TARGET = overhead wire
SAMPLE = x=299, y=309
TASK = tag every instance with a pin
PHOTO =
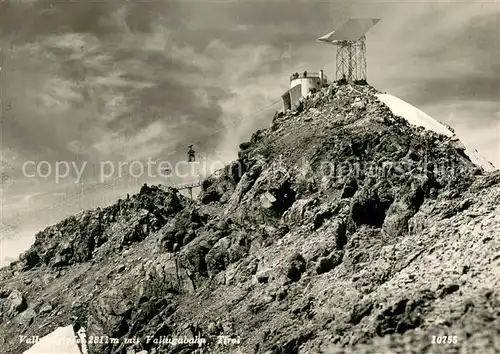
x=112, y=182
x=104, y=186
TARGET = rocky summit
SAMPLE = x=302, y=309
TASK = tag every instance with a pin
x=339, y=229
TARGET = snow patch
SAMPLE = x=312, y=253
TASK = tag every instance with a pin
x=60, y=341
x=413, y=115
x=419, y=118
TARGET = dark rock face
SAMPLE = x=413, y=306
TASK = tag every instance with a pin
x=370, y=209
x=350, y=188
x=340, y=229
x=326, y=264
x=296, y=266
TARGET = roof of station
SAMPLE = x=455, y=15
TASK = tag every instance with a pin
x=351, y=30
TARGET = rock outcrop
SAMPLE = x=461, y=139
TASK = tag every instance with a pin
x=340, y=229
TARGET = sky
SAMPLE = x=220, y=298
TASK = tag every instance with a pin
x=97, y=83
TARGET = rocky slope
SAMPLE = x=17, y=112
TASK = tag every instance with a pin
x=340, y=229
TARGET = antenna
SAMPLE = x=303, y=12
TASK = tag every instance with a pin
x=351, y=48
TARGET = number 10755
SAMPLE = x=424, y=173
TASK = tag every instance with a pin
x=444, y=339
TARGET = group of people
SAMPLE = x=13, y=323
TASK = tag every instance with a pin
x=296, y=75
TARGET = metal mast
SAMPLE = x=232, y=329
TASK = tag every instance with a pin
x=189, y=186
x=351, y=48
x=191, y=158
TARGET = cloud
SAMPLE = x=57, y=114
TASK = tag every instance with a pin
x=153, y=134
x=441, y=90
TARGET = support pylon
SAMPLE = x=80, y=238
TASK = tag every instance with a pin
x=351, y=48
x=351, y=60
x=191, y=158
